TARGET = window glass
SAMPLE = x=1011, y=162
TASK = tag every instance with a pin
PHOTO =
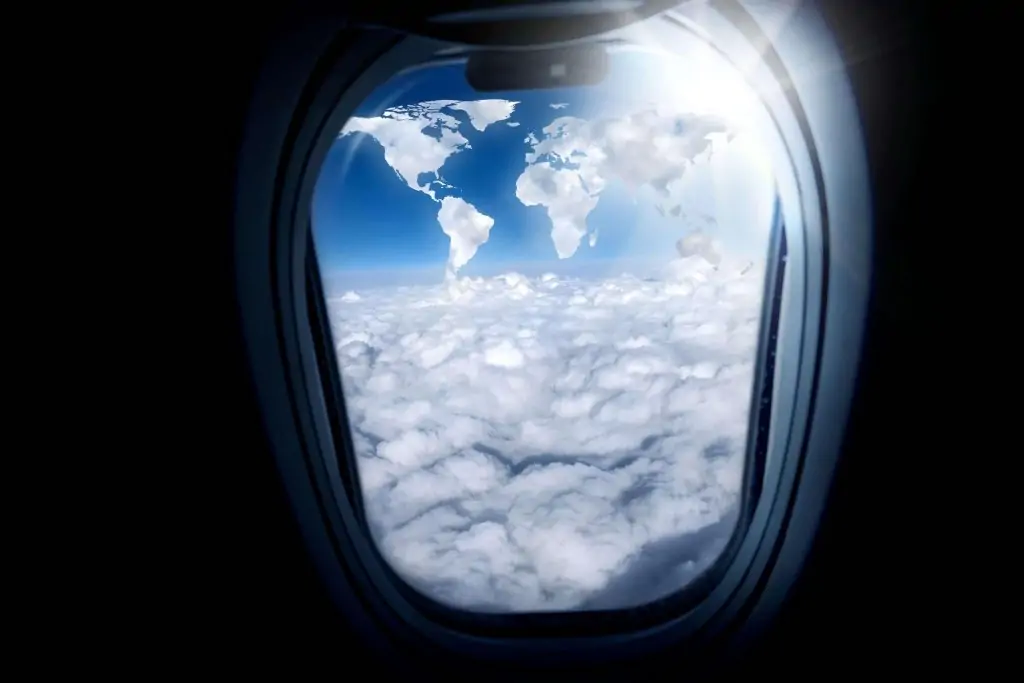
x=545, y=308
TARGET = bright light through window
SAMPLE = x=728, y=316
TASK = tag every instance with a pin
x=545, y=306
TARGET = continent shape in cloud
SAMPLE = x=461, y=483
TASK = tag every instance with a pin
x=551, y=443
x=411, y=151
x=574, y=160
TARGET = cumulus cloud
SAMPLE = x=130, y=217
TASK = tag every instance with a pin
x=466, y=228
x=551, y=443
x=574, y=160
x=513, y=124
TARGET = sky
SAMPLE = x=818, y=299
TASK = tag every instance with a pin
x=370, y=218
x=545, y=310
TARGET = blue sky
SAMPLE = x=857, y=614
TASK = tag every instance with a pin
x=367, y=220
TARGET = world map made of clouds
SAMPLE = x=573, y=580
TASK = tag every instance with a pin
x=566, y=169
x=551, y=443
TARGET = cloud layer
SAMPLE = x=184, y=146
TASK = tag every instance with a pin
x=551, y=444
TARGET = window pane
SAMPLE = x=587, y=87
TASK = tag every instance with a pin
x=545, y=306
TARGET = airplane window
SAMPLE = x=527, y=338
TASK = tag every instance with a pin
x=545, y=307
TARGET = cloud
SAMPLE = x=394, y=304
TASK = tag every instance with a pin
x=466, y=228
x=549, y=444
x=574, y=160
x=560, y=105
x=513, y=124
x=419, y=138
x=483, y=113
x=566, y=197
x=567, y=168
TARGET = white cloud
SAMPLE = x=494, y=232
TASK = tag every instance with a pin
x=560, y=105
x=410, y=150
x=466, y=228
x=572, y=163
x=513, y=124
x=543, y=444
x=483, y=113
